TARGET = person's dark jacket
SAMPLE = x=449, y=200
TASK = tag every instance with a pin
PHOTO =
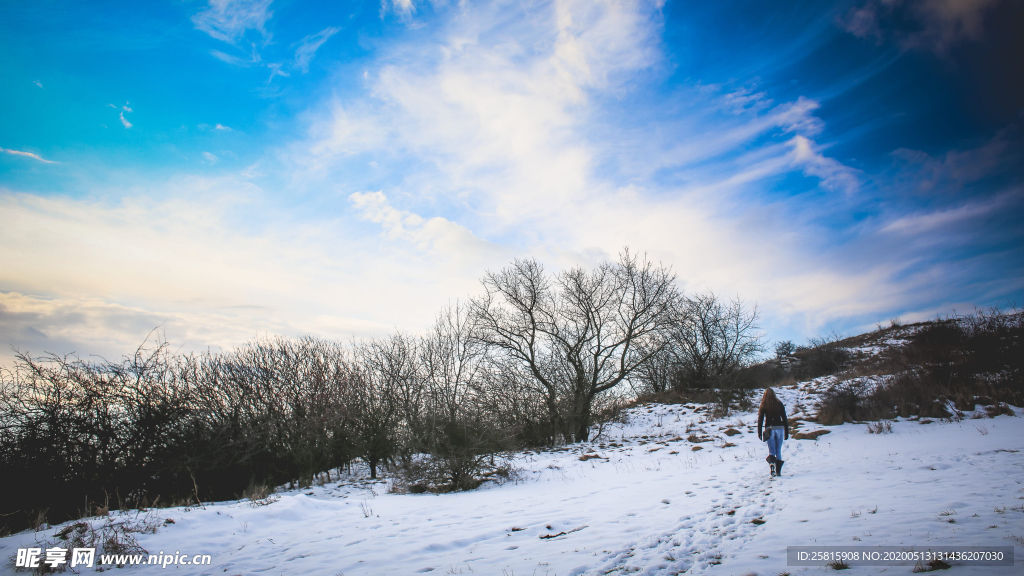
x=769, y=420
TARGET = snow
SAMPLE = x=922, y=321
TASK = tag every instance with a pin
x=653, y=505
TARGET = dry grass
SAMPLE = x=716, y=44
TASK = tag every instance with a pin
x=931, y=566
x=38, y=521
x=256, y=491
x=809, y=435
x=113, y=534
x=881, y=427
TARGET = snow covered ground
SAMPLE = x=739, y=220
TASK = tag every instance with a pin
x=646, y=501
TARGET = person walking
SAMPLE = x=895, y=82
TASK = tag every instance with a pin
x=772, y=416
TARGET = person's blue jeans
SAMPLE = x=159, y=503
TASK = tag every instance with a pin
x=775, y=443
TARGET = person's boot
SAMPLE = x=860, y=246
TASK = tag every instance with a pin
x=771, y=463
x=778, y=467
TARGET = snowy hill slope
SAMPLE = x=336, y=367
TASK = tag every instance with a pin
x=642, y=499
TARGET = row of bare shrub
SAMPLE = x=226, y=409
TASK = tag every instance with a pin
x=536, y=360
x=156, y=428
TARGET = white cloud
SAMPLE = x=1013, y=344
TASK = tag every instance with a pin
x=37, y=83
x=186, y=264
x=210, y=158
x=216, y=127
x=429, y=235
x=308, y=46
x=489, y=111
x=125, y=121
x=31, y=155
x=833, y=174
x=228, y=20
x=401, y=7
x=507, y=121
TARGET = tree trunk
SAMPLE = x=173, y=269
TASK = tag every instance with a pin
x=582, y=435
x=583, y=430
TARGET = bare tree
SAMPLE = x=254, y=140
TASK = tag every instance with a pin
x=396, y=363
x=463, y=429
x=452, y=361
x=579, y=333
x=712, y=340
x=656, y=375
x=784, y=349
x=389, y=392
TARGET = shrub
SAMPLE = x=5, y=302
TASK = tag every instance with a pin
x=460, y=454
x=948, y=366
x=822, y=356
x=784, y=349
x=840, y=403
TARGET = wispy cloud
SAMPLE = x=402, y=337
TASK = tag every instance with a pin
x=276, y=69
x=950, y=172
x=216, y=127
x=834, y=175
x=401, y=7
x=210, y=158
x=308, y=46
x=935, y=25
x=236, y=60
x=37, y=83
x=950, y=219
x=228, y=20
x=31, y=155
x=123, y=110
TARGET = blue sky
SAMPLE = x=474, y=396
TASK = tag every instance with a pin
x=233, y=169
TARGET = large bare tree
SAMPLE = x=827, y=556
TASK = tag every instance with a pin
x=713, y=340
x=578, y=333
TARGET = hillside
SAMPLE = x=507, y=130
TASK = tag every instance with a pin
x=643, y=499
x=666, y=489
